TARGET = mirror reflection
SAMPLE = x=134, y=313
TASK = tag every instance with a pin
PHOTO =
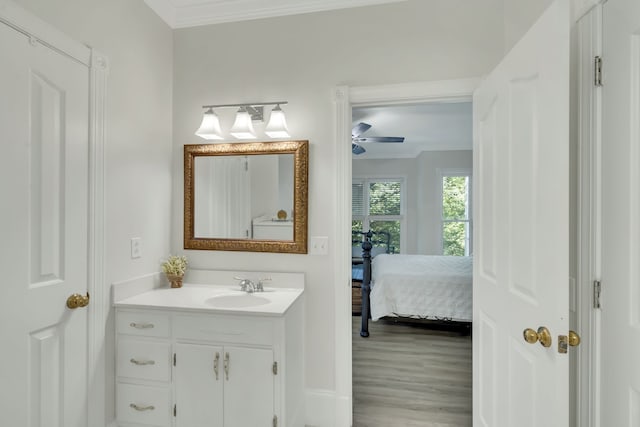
x=246, y=196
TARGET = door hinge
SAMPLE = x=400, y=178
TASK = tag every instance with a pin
x=597, y=71
x=175, y=410
x=275, y=421
x=597, y=288
x=275, y=368
x=174, y=359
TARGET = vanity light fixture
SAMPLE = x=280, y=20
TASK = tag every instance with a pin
x=210, y=126
x=243, y=125
x=277, y=126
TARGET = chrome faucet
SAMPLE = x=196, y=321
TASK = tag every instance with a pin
x=247, y=285
x=259, y=287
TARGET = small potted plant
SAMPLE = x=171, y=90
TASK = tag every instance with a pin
x=174, y=267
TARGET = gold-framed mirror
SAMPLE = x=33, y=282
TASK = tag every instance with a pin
x=246, y=196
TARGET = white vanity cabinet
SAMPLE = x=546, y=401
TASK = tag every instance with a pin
x=237, y=381
x=203, y=368
x=143, y=369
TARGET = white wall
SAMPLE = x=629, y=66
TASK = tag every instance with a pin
x=519, y=16
x=138, y=137
x=301, y=59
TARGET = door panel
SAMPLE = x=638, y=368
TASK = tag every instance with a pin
x=199, y=376
x=620, y=315
x=44, y=224
x=249, y=390
x=521, y=270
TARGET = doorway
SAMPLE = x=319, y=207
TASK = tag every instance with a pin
x=411, y=186
x=347, y=98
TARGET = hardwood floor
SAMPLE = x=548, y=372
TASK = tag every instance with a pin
x=410, y=376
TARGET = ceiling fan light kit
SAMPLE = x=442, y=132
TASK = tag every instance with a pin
x=243, y=125
x=356, y=139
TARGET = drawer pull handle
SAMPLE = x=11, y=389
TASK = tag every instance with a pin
x=142, y=362
x=226, y=365
x=141, y=325
x=142, y=408
x=216, y=362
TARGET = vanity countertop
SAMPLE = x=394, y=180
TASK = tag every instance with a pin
x=215, y=299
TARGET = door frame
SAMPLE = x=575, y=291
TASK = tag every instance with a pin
x=587, y=103
x=345, y=97
x=98, y=67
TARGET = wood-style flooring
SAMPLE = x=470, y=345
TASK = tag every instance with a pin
x=410, y=376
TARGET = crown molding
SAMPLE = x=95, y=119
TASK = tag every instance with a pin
x=192, y=13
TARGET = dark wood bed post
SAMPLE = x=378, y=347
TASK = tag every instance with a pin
x=366, y=284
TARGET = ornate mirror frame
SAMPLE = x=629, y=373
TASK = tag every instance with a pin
x=300, y=151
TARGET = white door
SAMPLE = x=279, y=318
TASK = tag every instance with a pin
x=521, y=259
x=43, y=228
x=620, y=316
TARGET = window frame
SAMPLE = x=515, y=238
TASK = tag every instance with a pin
x=367, y=219
x=455, y=172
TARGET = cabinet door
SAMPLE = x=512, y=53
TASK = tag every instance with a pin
x=199, y=373
x=248, y=389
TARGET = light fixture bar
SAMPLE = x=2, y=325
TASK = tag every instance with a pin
x=249, y=104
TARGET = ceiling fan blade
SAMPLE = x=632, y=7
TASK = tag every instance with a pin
x=356, y=149
x=380, y=139
x=359, y=129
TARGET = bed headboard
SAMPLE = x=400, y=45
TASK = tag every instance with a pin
x=380, y=243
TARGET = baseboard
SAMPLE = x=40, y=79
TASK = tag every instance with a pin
x=326, y=409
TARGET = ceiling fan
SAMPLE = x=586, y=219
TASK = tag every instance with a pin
x=356, y=139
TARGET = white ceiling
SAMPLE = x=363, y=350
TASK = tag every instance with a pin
x=426, y=127
x=192, y=13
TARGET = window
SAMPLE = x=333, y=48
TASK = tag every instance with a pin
x=377, y=205
x=456, y=213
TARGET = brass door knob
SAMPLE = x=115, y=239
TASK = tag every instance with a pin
x=543, y=335
x=76, y=300
x=574, y=339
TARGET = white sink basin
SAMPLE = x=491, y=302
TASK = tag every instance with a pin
x=237, y=301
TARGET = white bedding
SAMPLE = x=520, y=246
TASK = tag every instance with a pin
x=422, y=286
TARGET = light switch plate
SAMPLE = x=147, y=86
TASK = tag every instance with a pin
x=319, y=245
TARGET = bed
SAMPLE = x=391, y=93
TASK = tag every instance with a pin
x=435, y=288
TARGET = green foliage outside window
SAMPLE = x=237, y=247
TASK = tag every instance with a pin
x=384, y=198
x=455, y=215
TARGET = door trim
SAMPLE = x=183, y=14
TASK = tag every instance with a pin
x=345, y=98
x=99, y=310
x=97, y=66
x=588, y=104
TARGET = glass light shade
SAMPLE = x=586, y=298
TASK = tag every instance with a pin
x=277, y=126
x=243, y=127
x=210, y=126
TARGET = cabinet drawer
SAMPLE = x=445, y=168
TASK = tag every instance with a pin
x=143, y=405
x=144, y=360
x=224, y=329
x=142, y=323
